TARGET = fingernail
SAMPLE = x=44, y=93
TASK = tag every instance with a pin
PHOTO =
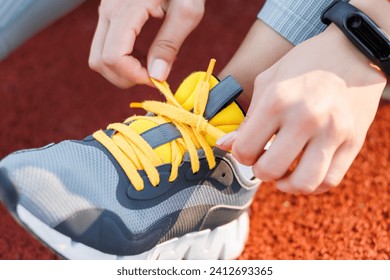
x=159, y=69
x=225, y=138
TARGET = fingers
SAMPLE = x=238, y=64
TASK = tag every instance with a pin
x=119, y=43
x=227, y=140
x=287, y=145
x=326, y=155
x=98, y=41
x=312, y=166
x=341, y=162
x=96, y=53
x=181, y=18
x=113, y=43
x=319, y=113
x=119, y=24
x=254, y=135
x=301, y=130
x=258, y=123
x=339, y=166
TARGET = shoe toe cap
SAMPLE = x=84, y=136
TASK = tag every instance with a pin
x=56, y=181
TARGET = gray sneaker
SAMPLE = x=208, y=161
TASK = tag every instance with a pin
x=153, y=187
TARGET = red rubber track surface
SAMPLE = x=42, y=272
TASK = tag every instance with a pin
x=48, y=94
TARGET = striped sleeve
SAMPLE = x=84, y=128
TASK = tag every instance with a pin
x=295, y=20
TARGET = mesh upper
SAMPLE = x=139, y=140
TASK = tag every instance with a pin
x=56, y=182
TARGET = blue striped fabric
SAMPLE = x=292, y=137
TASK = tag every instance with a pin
x=21, y=19
x=10, y=10
x=295, y=20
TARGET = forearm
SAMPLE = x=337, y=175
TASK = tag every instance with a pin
x=261, y=48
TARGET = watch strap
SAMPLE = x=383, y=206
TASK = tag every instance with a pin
x=337, y=15
x=338, y=12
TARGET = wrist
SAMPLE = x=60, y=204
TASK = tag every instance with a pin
x=361, y=29
x=351, y=60
x=377, y=10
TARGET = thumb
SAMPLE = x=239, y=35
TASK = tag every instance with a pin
x=262, y=80
x=182, y=17
x=226, y=142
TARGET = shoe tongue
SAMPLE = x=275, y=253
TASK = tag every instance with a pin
x=220, y=111
x=185, y=94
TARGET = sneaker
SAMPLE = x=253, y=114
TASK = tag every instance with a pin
x=152, y=187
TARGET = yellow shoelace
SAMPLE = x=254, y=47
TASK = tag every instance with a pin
x=133, y=153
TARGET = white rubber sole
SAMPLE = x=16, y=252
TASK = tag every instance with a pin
x=224, y=242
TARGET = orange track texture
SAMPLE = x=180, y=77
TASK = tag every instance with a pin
x=48, y=94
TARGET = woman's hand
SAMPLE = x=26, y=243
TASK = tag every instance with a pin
x=319, y=101
x=120, y=22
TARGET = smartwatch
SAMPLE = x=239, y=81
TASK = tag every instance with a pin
x=361, y=30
